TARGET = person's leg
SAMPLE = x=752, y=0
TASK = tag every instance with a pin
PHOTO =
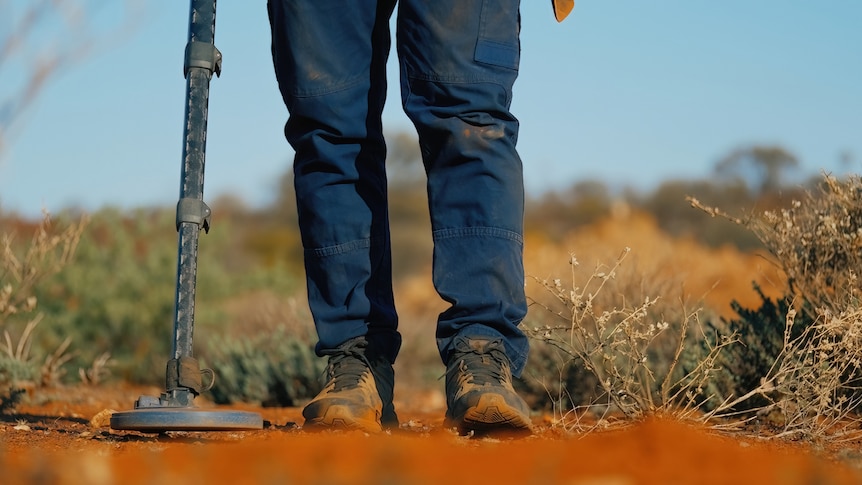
x=459, y=61
x=329, y=58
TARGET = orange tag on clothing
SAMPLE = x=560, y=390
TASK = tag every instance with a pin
x=562, y=8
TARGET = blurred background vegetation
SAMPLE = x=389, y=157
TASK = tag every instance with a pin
x=115, y=295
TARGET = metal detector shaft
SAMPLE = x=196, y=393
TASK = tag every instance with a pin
x=202, y=59
x=173, y=410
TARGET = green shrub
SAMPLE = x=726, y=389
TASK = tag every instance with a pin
x=118, y=295
x=14, y=372
x=270, y=368
x=759, y=341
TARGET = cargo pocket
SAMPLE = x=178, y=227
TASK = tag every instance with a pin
x=498, y=43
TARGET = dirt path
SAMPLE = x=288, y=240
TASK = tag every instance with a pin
x=55, y=442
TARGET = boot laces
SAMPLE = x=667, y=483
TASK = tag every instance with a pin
x=347, y=368
x=482, y=368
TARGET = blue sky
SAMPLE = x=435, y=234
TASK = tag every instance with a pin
x=627, y=92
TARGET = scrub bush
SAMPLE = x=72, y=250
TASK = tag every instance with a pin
x=618, y=352
x=272, y=369
x=118, y=294
x=794, y=363
x=23, y=266
x=805, y=351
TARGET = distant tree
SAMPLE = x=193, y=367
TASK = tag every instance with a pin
x=762, y=168
x=557, y=213
x=676, y=216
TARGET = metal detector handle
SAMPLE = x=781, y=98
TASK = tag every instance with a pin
x=202, y=59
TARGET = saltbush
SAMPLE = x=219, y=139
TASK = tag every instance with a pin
x=118, y=294
x=272, y=369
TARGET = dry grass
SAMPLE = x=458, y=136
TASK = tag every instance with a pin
x=818, y=242
x=630, y=346
x=21, y=268
x=814, y=387
x=815, y=382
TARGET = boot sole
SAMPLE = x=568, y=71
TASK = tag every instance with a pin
x=492, y=415
x=342, y=417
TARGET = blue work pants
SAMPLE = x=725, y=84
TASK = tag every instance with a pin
x=458, y=62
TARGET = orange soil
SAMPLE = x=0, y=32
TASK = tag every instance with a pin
x=61, y=446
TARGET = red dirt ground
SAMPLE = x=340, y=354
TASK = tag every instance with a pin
x=63, y=439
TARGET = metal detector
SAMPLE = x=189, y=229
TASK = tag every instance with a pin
x=174, y=410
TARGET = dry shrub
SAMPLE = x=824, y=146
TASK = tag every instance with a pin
x=22, y=267
x=812, y=389
x=629, y=347
x=818, y=242
x=664, y=280
x=817, y=379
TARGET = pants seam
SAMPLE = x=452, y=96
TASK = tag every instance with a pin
x=346, y=247
x=481, y=231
